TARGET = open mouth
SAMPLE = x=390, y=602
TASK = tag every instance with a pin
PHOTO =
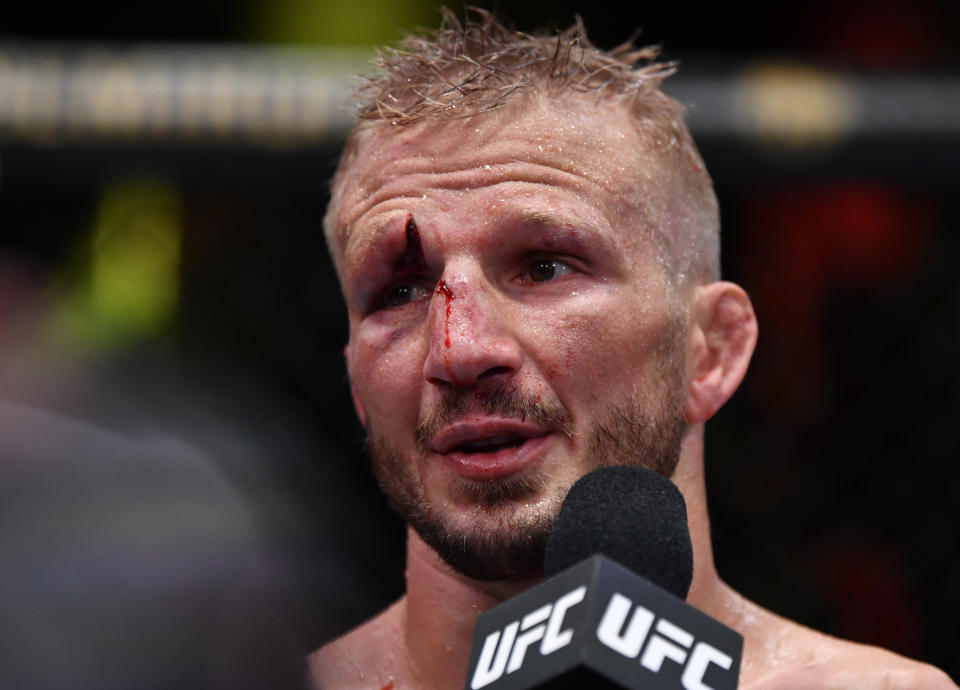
x=490, y=445
x=493, y=452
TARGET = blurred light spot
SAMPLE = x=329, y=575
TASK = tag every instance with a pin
x=339, y=22
x=275, y=96
x=795, y=106
x=128, y=279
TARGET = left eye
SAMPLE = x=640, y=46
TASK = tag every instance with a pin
x=547, y=269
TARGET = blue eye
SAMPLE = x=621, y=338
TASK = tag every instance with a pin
x=542, y=270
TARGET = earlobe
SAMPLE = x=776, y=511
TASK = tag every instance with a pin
x=723, y=335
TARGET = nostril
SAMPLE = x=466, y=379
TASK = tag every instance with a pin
x=494, y=371
x=440, y=382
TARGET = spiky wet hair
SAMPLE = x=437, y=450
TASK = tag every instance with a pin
x=471, y=67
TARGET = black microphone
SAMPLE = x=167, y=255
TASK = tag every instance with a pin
x=611, y=611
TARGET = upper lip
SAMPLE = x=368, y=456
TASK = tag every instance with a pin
x=459, y=433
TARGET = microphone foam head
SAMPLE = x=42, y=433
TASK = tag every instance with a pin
x=633, y=515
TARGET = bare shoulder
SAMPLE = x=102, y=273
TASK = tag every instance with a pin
x=362, y=658
x=856, y=667
x=780, y=654
x=852, y=665
x=807, y=659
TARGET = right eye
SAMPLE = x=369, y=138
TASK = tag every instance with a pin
x=399, y=295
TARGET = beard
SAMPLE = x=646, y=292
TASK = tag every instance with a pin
x=508, y=540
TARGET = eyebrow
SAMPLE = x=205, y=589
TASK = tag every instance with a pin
x=582, y=227
x=360, y=247
x=543, y=218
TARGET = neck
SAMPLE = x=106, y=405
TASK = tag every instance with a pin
x=441, y=605
x=707, y=591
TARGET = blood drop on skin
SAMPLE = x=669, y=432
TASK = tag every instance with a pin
x=442, y=289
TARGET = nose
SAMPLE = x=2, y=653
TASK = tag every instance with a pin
x=469, y=338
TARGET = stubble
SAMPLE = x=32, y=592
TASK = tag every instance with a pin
x=507, y=542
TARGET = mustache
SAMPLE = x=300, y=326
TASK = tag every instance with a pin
x=492, y=398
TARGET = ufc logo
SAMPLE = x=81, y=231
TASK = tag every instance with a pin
x=505, y=653
x=666, y=641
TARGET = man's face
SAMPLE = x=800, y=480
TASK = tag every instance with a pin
x=511, y=323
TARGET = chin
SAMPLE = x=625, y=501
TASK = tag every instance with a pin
x=499, y=534
x=502, y=545
x=490, y=529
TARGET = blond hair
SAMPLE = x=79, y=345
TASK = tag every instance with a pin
x=464, y=69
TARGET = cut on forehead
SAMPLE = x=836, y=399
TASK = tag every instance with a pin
x=473, y=71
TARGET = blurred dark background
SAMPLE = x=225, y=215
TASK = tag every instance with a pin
x=163, y=175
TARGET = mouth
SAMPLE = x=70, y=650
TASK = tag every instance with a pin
x=492, y=444
x=491, y=449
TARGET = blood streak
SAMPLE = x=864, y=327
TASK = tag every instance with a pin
x=412, y=259
x=442, y=289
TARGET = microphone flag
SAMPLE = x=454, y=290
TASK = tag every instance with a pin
x=600, y=625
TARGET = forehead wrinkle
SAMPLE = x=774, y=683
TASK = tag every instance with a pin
x=431, y=150
x=487, y=172
x=426, y=158
x=554, y=216
x=347, y=229
x=414, y=186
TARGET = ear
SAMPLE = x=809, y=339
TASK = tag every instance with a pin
x=357, y=404
x=723, y=334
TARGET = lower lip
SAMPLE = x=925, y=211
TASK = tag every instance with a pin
x=500, y=464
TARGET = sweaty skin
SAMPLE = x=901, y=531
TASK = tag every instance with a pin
x=579, y=187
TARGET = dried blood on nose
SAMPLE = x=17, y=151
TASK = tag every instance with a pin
x=442, y=289
x=412, y=259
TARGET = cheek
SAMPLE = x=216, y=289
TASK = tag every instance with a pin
x=600, y=348
x=386, y=373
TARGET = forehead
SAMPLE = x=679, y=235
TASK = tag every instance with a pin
x=594, y=143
